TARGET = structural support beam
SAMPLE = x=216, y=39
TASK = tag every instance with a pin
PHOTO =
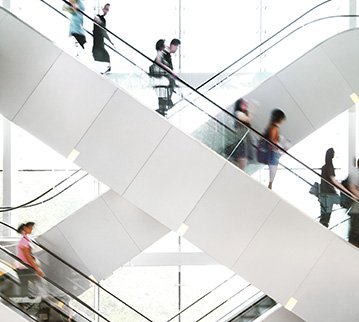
x=352, y=114
x=7, y=169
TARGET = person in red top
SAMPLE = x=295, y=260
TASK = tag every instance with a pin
x=24, y=252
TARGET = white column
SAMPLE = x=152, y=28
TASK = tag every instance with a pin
x=352, y=114
x=7, y=169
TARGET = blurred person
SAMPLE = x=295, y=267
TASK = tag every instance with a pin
x=273, y=135
x=164, y=59
x=77, y=21
x=24, y=253
x=99, y=52
x=244, y=150
x=354, y=210
x=328, y=195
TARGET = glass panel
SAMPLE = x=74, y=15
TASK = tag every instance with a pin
x=76, y=283
x=277, y=50
x=38, y=296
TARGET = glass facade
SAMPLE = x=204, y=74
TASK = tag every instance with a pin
x=213, y=35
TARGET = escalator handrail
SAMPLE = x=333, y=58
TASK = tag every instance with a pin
x=55, y=284
x=79, y=272
x=277, y=42
x=262, y=43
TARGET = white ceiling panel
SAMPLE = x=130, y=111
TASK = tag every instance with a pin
x=174, y=179
x=229, y=215
x=26, y=57
x=317, y=87
x=120, y=141
x=285, y=248
x=142, y=228
x=337, y=269
x=65, y=104
x=343, y=51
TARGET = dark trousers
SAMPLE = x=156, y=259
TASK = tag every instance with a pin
x=354, y=225
x=327, y=201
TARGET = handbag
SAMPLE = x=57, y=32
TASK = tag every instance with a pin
x=263, y=151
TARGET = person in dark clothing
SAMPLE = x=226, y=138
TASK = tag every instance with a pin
x=328, y=196
x=99, y=52
x=164, y=58
x=244, y=148
x=354, y=210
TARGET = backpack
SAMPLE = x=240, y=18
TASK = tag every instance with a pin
x=345, y=201
x=315, y=189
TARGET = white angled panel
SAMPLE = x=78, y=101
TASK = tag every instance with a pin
x=270, y=95
x=65, y=103
x=11, y=315
x=3, y=13
x=229, y=215
x=330, y=291
x=279, y=314
x=55, y=241
x=317, y=87
x=175, y=177
x=343, y=51
x=26, y=56
x=98, y=238
x=285, y=249
x=120, y=141
x=143, y=229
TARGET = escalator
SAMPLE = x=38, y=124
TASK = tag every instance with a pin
x=199, y=196
x=54, y=303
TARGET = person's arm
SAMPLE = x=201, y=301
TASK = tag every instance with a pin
x=243, y=117
x=31, y=261
x=354, y=190
x=337, y=184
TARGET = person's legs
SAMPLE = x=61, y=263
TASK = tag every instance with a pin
x=326, y=208
x=354, y=225
x=272, y=172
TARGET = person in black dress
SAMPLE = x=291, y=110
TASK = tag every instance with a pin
x=99, y=52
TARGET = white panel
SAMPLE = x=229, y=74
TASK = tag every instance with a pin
x=270, y=95
x=120, y=141
x=142, y=228
x=229, y=215
x=174, y=178
x=55, y=241
x=8, y=315
x=3, y=14
x=98, y=238
x=25, y=58
x=283, y=252
x=279, y=314
x=330, y=291
x=317, y=86
x=343, y=51
x=65, y=103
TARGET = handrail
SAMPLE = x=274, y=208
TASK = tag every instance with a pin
x=79, y=272
x=55, y=285
x=277, y=42
x=205, y=295
x=27, y=204
x=262, y=43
